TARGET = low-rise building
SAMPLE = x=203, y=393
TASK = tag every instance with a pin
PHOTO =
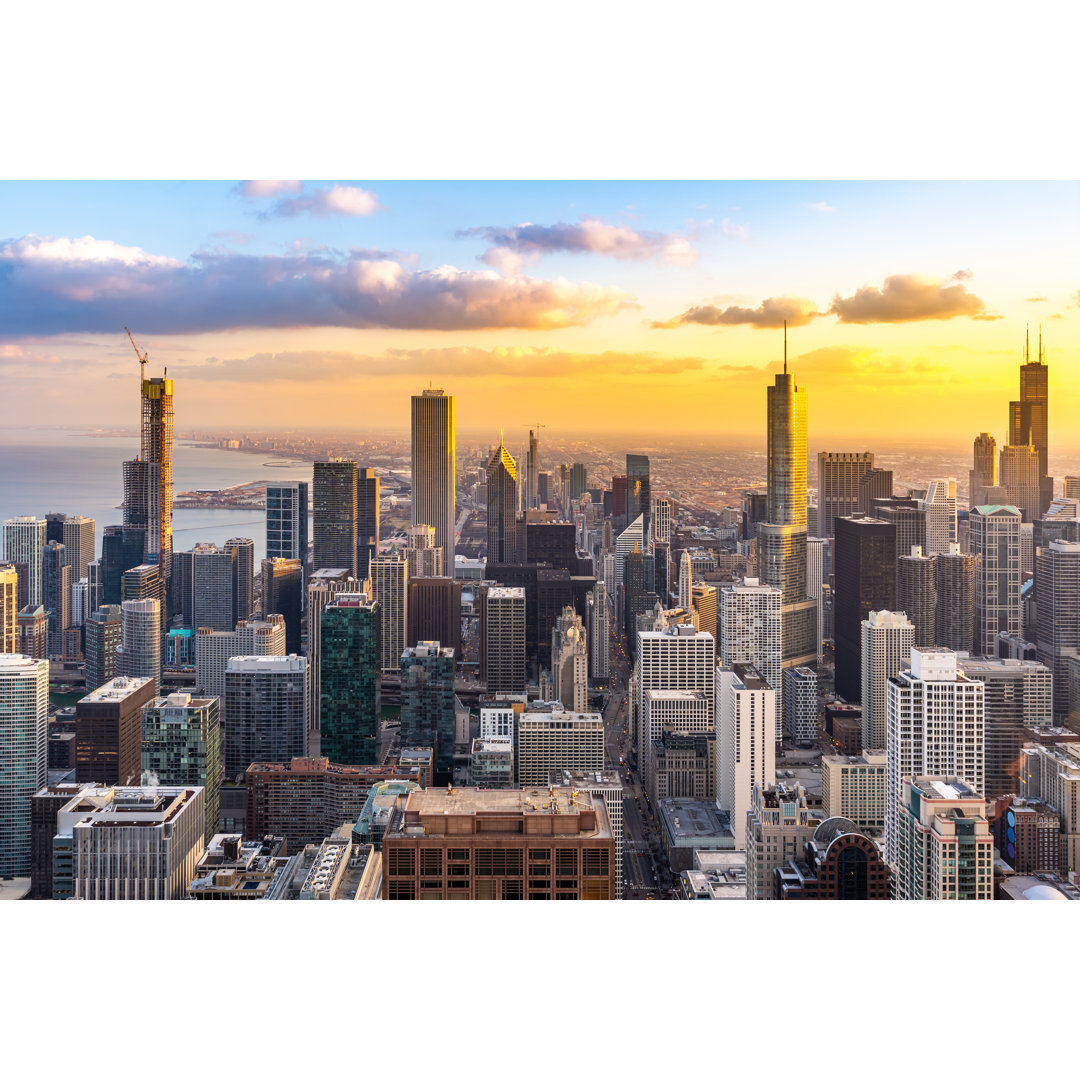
x=716, y=875
x=840, y=862
x=778, y=825
x=556, y=739
x=370, y=826
x=689, y=825
x=236, y=869
x=684, y=766
x=418, y=757
x=1038, y=887
x=491, y=764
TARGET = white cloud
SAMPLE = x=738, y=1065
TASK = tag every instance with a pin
x=324, y=202
x=266, y=189
x=820, y=207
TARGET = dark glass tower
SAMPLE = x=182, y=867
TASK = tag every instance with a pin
x=427, y=701
x=367, y=521
x=638, y=497
x=122, y=547
x=335, y=519
x=502, y=500
x=349, y=680
x=1028, y=418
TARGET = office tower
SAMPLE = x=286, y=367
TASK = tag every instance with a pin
x=599, y=633
x=683, y=766
x=841, y=862
x=335, y=522
x=777, y=826
x=685, y=712
x=578, y=481
x=46, y=802
x=350, y=686
x=633, y=599
x=55, y=593
x=109, y=730
x=78, y=540
x=706, y=615
x=1051, y=773
x=283, y=594
x=995, y=544
x=618, y=498
x=661, y=583
x=24, y=538
x=875, y=484
x=817, y=549
x=672, y=658
x=853, y=787
x=9, y=608
x=1057, y=601
x=139, y=655
x=545, y=494
x=504, y=841
x=839, y=478
x=944, y=847
x=491, y=763
x=181, y=746
x=24, y=715
x=529, y=497
x=80, y=612
x=916, y=595
x=434, y=612
x=1072, y=487
x=557, y=739
x=984, y=472
x=32, y=627
x=433, y=468
x=103, y=640
x=54, y=527
x=939, y=506
x=1018, y=694
x=934, y=726
x=800, y=694
x=95, y=595
x=638, y=491
x=204, y=587
x=754, y=509
x=1020, y=479
x=287, y=520
x=389, y=589
x=502, y=644
x=427, y=701
x=907, y=517
x=129, y=843
x=367, y=521
x=1028, y=422
x=121, y=549
x=954, y=588
x=660, y=517
x=864, y=560
x=424, y=559
x=631, y=538
x=266, y=710
x=251, y=637
x=887, y=638
x=322, y=586
x=786, y=462
x=750, y=633
x=243, y=549
x=570, y=661
x=686, y=582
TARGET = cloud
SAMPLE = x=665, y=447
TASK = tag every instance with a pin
x=516, y=245
x=736, y=232
x=325, y=202
x=771, y=313
x=60, y=286
x=266, y=189
x=233, y=237
x=1035, y=299
x=908, y=298
x=820, y=207
x=963, y=275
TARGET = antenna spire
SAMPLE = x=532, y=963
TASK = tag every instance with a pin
x=785, y=346
x=1027, y=339
x=1042, y=356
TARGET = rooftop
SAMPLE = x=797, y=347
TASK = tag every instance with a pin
x=117, y=689
x=694, y=820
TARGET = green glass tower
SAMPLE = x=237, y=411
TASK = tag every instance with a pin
x=351, y=707
x=427, y=700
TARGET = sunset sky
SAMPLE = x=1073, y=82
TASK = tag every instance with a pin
x=587, y=306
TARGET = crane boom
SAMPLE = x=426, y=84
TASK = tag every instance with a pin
x=141, y=355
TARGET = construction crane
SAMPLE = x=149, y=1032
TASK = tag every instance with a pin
x=141, y=355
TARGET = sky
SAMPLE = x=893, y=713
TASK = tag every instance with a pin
x=653, y=307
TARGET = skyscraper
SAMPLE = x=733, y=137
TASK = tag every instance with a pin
x=214, y=648
x=122, y=547
x=995, y=542
x=939, y=505
x=351, y=709
x=389, y=589
x=1020, y=479
x=24, y=537
x=24, y=716
x=367, y=520
x=139, y=655
x=243, y=550
x=887, y=638
x=502, y=640
x=686, y=582
x=213, y=579
x=502, y=500
x=578, y=480
x=287, y=520
x=9, y=608
x=916, y=595
x=875, y=484
x=109, y=731
x=335, y=521
x=638, y=491
x=266, y=710
x=1057, y=601
x=78, y=541
x=56, y=593
x=839, y=478
x=750, y=629
x=954, y=588
x=599, y=633
x=531, y=496
x=984, y=472
x=423, y=557
x=570, y=661
x=103, y=639
x=434, y=498
x=283, y=594
x=427, y=701
x=323, y=586
x=1029, y=421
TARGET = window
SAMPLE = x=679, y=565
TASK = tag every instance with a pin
x=431, y=862
x=401, y=862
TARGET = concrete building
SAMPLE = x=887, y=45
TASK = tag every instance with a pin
x=599, y=633
x=109, y=731
x=538, y=844
x=1057, y=601
x=606, y=785
x=24, y=537
x=389, y=589
x=688, y=826
x=335, y=517
x=423, y=557
x=102, y=638
x=995, y=543
x=24, y=713
x=839, y=476
x=214, y=649
x=801, y=705
x=498, y=718
x=683, y=766
x=32, y=626
x=350, y=686
x=1051, y=773
x=1019, y=470
x=550, y=739
x=684, y=712
x=570, y=661
x=266, y=710
x=840, y=862
x=954, y=593
x=945, y=850
x=939, y=506
x=139, y=655
x=434, y=494
x=427, y=701
x=9, y=608
x=717, y=875
x=44, y=806
x=853, y=787
x=887, y=640
x=916, y=595
x=502, y=640
x=234, y=869
x=434, y=612
x=745, y=742
x=935, y=726
x=778, y=826
x=287, y=520
x=750, y=633
x=128, y=843
x=322, y=586
x=491, y=762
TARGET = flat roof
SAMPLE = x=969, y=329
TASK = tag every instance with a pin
x=694, y=819
x=116, y=689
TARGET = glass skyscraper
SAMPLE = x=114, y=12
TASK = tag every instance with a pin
x=350, y=705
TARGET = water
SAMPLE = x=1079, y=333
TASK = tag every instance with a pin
x=45, y=470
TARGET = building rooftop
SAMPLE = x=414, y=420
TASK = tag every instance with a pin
x=123, y=686
x=504, y=592
x=582, y=778
x=691, y=821
x=1039, y=887
x=935, y=788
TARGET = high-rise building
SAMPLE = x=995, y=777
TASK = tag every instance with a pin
x=32, y=626
x=423, y=557
x=801, y=705
x=139, y=655
x=916, y=595
x=631, y=538
x=638, y=490
x=841, y=862
x=109, y=730
x=954, y=589
x=686, y=582
x=350, y=684
x=939, y=506
x=243, y=551
x=367, y=521
x=24, y=537
x=1057, y=602
x=181, y=746
x=1020, y=479
x=661, y=520
x=389, y=589
x=1028, y=423
x=24, y=716
x=944, y=847
x=78, y=541
x=853, y=787
x=322, y=586
x=570, y=661
x=599, y=633
x=434, y=611
x=887, y=638
x=335, y=521
x=266, y=710
x=122, y=547
x=750, y=633
x=211, y=574
x=427, y=701
x=283, y=594
x=434, y=499
x=103, y=639
x=502, y=640
x=530, y=497
x=578, y=480
x=839, y=477
x=1072, y=487
x=984, y=472
x=875, y=484
x=1052, y=773
x=778, y=826
x=934, y=726
x=56, y=593
x=907, y=517
x=865, y=575
x=214, y=648
x=9, y=608
x=995, y=543
x=549, y=739
x=287, y=520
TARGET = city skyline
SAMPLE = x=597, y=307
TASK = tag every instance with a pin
x=263, y=295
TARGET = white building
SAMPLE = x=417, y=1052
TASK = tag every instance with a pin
x=558, y=739
x=1057, y=601
x=934, y=727
x=686, y=582
x=139, y=655
x=688, y=712
x=995, y=540
x=570, y=661
x=630, y=539
x=24, y=537
x=816, y=547
x=497, y=720
x=1052, y=773
x=939, y=506
x=745, y=742
x=853, y=787
x=801, y=705
x=661, y=521
x=887, y=640
x=390, y=588
x=750, y=633
x=214, y=649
